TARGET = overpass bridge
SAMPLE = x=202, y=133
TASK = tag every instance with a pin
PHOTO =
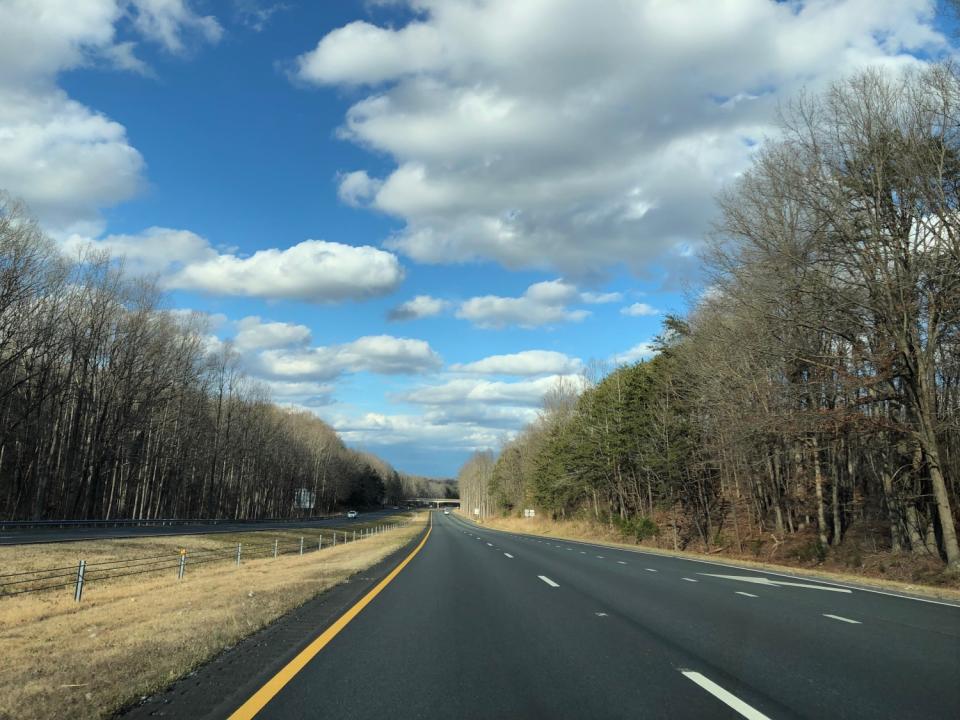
x=439, y=502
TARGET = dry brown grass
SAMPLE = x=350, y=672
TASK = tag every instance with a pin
x=132, y=636
x=948, y=588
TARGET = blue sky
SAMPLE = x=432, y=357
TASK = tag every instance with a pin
x=540, y=174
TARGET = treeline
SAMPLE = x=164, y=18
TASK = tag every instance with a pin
x=400, y=487
x=816, y=384
x=113, y=407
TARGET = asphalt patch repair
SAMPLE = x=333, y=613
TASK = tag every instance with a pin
x=220, y=686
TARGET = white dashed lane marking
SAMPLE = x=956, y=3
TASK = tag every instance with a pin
x=690, y=580
x=727, y=698
x=745, y=594
x=842, y=619
x=509, y=555
x=548, y=581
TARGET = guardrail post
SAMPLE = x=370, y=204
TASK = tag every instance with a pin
x=301, y=545
x=334, y=538
x=239, y=545
x=78, y=592
x=354, y=534
x=275, y=548
x=320, y=544
x=183, y=563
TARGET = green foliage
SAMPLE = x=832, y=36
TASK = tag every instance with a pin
x=637, y=528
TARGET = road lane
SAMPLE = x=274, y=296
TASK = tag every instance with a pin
x=464, y=632
x=472, y=628
x=901, y=661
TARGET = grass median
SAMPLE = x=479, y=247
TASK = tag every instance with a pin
x=132, y=636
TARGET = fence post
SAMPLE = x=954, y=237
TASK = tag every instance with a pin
x=301, y=545
x=320, y=544
x=354, y=534
x=78, y=592
x=334, y=538
x=183, y=562
x=239, y=545
x=275, y=548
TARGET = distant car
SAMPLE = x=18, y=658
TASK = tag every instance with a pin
x=446, y=512
x=352, y=514
x=396, y=507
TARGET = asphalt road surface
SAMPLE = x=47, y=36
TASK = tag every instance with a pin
x=485, y=624
x=47, y=535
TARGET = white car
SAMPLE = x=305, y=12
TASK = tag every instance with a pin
x=446, y=512
x=352, y=514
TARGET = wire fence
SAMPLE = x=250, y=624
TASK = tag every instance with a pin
x=178, y=563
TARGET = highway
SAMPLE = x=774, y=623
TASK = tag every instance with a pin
x=73, y=534
x=483, y=624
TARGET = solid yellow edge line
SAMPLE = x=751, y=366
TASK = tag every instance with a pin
x=275, y=684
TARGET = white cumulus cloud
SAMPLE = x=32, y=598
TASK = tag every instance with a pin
x=574, y=136
x=66, y=160
x=382, y=354
x=543, y=303
x=523, y=393
x=527, y=362
x=155, y=250
x=639, y=310
x=357, y=188
x=640, y=351
x=313, y=271
x=255, y=334
x=419, y=307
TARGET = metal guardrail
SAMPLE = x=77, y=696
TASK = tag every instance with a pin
x=152, y=522
x=80, y=575
x=32, y=524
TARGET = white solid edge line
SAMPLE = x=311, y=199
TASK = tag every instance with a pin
x=548, y=581
x=766, y=572
x=727, y=698
x=509, y=555
x=842, y=619
x=745, y=594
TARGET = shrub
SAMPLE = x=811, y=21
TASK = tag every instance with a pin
x=638, y=528
x=813, y=550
